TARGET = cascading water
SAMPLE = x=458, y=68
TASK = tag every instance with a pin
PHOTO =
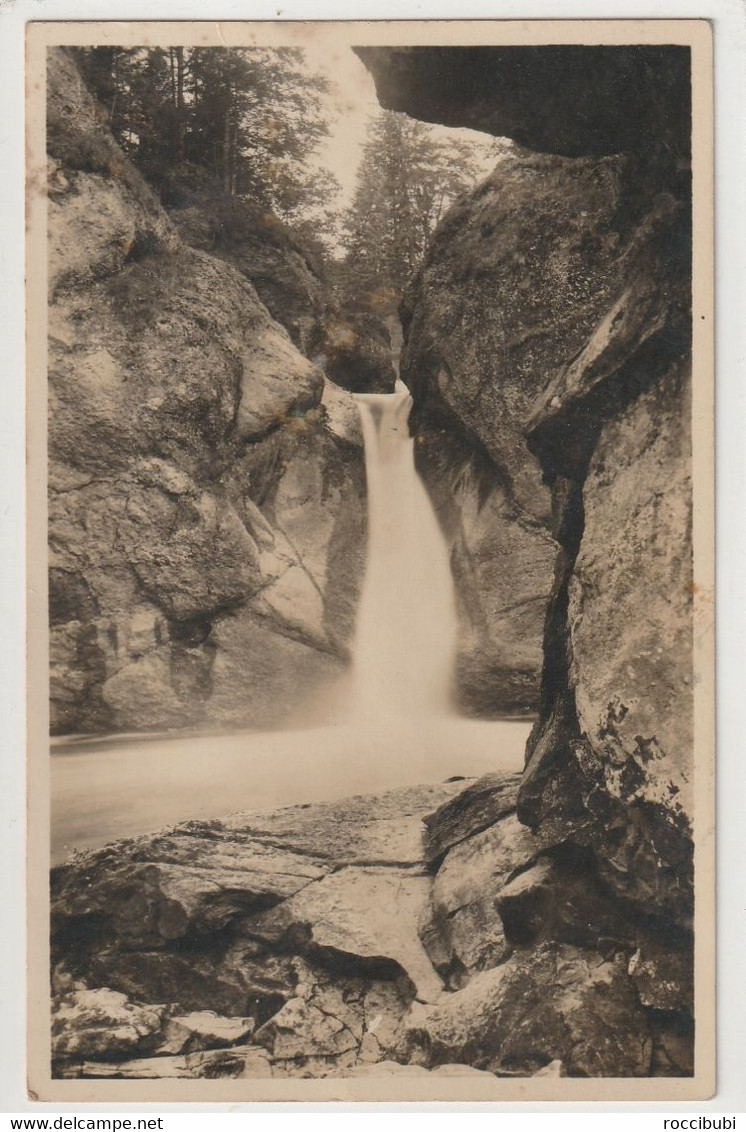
x=406, y=631
x=393, y=728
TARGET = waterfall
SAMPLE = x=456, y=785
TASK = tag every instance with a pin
x=395, y=729
x=406, y=631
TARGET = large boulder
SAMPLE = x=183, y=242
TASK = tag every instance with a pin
x=516, y=277
x=569, y=99
x=464, y=931
x=192, y=881
x=610, y=761
x=370, y=913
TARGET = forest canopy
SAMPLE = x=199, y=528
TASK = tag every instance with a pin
x=255, y=120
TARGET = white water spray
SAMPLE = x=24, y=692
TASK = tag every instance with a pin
x=406, y=631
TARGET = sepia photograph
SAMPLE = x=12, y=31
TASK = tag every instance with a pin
x=371, y=589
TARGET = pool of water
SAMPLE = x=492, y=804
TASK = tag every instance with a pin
x=106, y=788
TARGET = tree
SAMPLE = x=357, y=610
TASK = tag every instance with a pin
x=407, y=178
x=251, y=117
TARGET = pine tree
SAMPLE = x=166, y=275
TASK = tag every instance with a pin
x=406, y=180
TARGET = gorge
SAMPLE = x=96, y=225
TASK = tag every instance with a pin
x=506, y=922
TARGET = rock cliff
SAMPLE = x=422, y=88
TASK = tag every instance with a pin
x=206, y=487
x=553, y=314
x=515, y=279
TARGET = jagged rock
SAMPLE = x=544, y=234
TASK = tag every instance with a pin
x=99, y=1023
x=610, y=762
x=240, y=1061
x=555, y=1002
x=190, y=881
x=301, y=1029
x=522, y=903
x=562, y=900
x=366, y=913
x=463, y=929
x=332, y=973
x=200, y=1030
x=636, y=710
x=148, y=917
x=168, y=564
x=474, y=809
